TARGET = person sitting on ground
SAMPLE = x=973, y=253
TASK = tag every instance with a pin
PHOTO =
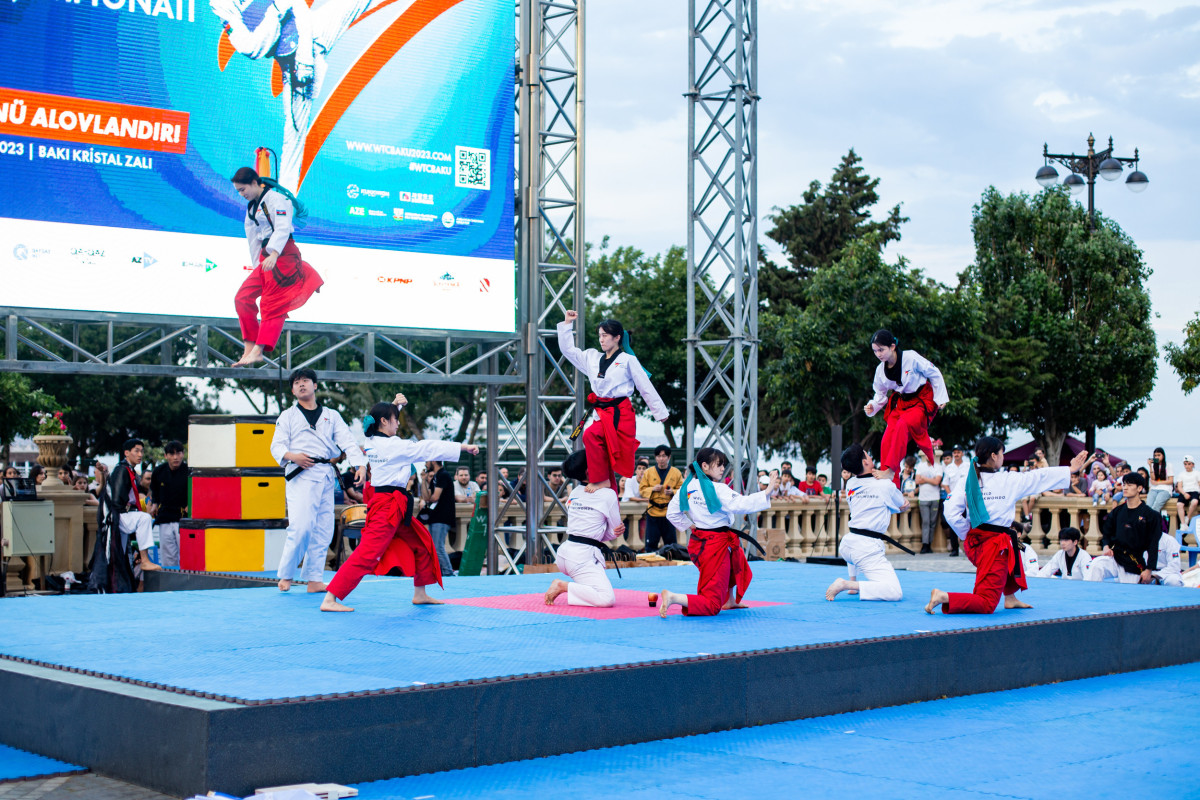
x=1169, y=571
x=1131, y=533
x=1072, y=559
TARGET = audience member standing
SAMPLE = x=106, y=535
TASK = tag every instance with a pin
x=929, y=497
x=437, y=490
x=633, y=486
x=659, y=484
x=169, y=499
x=465, y=489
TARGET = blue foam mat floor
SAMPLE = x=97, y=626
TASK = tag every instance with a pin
x=261, y=644
x=20, y=765
x=1117, y=736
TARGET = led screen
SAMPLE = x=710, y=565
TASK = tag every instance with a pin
x=391, y=121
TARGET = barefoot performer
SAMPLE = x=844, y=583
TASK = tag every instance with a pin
x=392, y=536
x=872, y=503
x=918, y=392
x=613, y=374
x=592, y=519
x=279, y=281
x=981, y=512
x=705, y=501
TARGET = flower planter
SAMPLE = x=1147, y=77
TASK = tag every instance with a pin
x=52, y=454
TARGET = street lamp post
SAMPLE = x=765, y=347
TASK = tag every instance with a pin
x=1104, y=164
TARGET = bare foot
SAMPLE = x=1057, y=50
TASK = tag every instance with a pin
x=667, y=599
x=253, y=356
x=284, y=585
x=936, y=598
x=733, y=604
x=836, y=588
x=592, y=487
x=422, y=598
x=330, y=603
x=557, y=587
x=316, y=586
x=245, y=352
x=149, y=566
x=1011, y=601
x=884, y=474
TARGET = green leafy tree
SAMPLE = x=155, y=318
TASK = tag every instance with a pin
x=825, y=370
x=1049, y=286
x=18, y=400
x=1186, y=359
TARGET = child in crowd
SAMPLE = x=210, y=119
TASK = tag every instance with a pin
x=1101, y=488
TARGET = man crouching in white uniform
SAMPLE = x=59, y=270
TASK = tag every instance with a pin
x=308, y=438
x=872, y=503
x=592, y=519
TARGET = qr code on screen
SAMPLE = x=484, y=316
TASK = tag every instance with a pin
x=473, y=168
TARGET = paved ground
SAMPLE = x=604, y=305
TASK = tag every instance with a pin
x=933, y=562
x=76, y=787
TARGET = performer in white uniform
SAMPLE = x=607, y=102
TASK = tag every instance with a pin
x=872, y=503
x=1072, y=560
x=1170, y=570
x=307, y=438
x=591, y=517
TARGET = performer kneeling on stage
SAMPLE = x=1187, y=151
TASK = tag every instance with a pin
x=981, y=512
x=1131, y=534
x=872, y=503
x=707, y=503
x=279, y=281
x=392, y=536
x=613, y=375
x=592, y=519
x=918, y=392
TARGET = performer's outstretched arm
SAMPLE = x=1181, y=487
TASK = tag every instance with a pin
x=566, y=342
x=736, y=503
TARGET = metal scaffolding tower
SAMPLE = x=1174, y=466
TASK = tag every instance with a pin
x=524, y=427
x=722, y=332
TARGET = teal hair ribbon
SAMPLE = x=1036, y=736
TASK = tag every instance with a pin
x=711, y=500
x=976, y=508
x=368, y=421
x=629, y=349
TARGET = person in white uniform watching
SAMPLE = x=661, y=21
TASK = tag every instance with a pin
x=1072, y=560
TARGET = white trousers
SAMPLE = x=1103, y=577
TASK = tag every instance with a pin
x=1106, y=568
x=867, y=564
x=168, y=543
x=584, y=565
x=310, y=523
x=1169, y=578
x=141, y=524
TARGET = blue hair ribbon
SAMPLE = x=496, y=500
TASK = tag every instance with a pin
x=976, y=508
x=368, y=421
x=711, y=501
x=629, y=349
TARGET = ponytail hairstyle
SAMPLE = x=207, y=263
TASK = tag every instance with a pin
x=884, y=338
x=707, y=455
x=614, y=329
x=378, y=412
x=1073, y=533
x=985, y=448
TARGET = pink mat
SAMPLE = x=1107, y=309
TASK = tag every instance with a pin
x=629, y=603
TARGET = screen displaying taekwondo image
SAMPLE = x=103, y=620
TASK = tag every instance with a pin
x=122, y=121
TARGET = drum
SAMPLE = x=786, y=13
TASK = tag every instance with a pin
x=354, y=516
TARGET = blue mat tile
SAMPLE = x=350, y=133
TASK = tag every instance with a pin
x=19, y=765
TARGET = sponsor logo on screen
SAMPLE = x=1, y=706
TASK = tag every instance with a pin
x=145, y=259
x=447, y=220
x=358, y=211
x=485, y=285
x=375, y=193
x=447, y=282
x=352, y=191
x=87, y=255
x=375, y=212
x=20, y=252
x=416, y=216
x=422, y=198
x=398, y=214
x=392, y=279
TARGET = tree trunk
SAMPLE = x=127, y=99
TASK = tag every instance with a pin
x=468, y=413
x=670, y=437
x=1052, y=440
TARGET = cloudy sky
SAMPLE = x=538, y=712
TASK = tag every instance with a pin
x=941, y=100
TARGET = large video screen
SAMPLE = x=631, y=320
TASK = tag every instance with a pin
x=391, y=122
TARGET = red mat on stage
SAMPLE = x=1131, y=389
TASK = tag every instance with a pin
x=629, y=603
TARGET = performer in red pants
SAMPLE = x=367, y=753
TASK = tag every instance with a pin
x=391, y=536
x=918, y=392
x=614, y=373
x=981, y=512
x=706, y=502
x=281, y=280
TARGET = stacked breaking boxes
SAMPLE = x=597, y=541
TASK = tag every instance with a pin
x=239, y=513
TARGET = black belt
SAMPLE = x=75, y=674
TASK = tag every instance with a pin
x=1129, y=560
x=883, y=537
x=609, y=402
x=601, y=546
x=408, y=512
x=315, y=460
x=740, y=535
x=1018, y=566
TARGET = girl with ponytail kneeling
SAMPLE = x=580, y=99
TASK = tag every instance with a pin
x=392, y=536
x=705, y=502
x=981, y=512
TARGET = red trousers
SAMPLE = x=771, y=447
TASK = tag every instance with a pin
x=610, y=442
x=907, y=420
x=994, y=560
x=723, y=565
x=263, y=291
x=387, y=542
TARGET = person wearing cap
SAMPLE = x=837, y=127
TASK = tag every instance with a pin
x=1187, y=483
x=917, y=392
x=1072, y=560
x=658, y=485
x=593, y=518
x=1131, y=534
x=864, y=549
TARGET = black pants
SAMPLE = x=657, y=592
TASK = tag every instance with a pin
x=656, y=528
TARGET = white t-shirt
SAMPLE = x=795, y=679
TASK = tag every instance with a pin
x=632, y=492
x=953, y=473
x=1188, y=481
x=929, y=492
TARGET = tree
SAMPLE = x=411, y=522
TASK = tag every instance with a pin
x=18, y=401
x=645, y=293
x=1049, y=286
x=824, y=373
x=1186, y=359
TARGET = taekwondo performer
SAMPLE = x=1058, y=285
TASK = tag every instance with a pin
x=392, y=536
x=707, y=505
x=1130, y=535
x=613, y=373
x=918, y=392
x=1072, y=560
x=981, y=512
x=592, y=519
x=279, y=281
x=309, y=439
x=1170, y=567
x=872, y=503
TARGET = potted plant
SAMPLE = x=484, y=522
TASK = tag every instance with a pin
x=52, y=443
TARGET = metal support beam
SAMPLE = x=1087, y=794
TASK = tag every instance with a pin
x=722, y=285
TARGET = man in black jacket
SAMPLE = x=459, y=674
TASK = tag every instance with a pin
x=1130, y=537
x=119, y=516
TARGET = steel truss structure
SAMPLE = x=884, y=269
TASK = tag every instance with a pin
x=722, y=285
x=524, y=427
